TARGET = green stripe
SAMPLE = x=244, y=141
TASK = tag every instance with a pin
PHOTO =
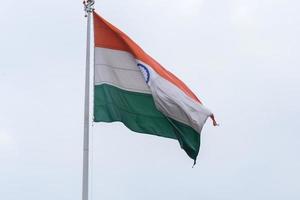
x=137, y=111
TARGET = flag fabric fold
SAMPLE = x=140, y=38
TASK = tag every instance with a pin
x=133, y=88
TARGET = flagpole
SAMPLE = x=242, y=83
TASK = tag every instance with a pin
x=88, y=7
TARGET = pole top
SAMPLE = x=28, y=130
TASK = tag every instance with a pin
x=88, y=6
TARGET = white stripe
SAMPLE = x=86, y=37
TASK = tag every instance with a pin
x=118, y=68
x=174, y=103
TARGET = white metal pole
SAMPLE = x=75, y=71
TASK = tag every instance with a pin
x=85, y=176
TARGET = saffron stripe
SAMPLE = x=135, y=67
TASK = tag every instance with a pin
x=108, y=36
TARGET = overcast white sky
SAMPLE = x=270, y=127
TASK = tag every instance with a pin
x=241, y=57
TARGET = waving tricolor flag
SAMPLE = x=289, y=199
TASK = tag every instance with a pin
x=131, y=87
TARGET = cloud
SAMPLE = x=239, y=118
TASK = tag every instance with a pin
x=243, y=14
x=185, y=8
x=8, y=145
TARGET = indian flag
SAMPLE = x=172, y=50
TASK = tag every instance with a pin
x=132, y=88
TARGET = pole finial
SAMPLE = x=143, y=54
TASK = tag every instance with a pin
x=88, y=6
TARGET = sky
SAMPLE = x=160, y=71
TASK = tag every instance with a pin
x=241, y=57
